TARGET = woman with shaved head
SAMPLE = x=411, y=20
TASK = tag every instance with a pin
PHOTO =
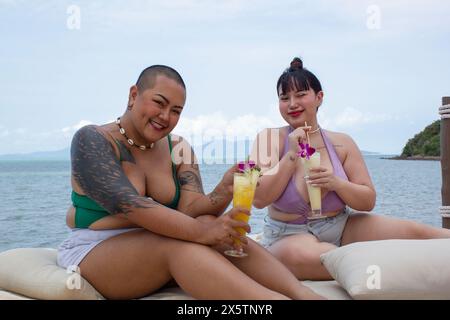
x=139, y=220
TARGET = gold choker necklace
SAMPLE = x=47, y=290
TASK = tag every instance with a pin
x=130, y=141
x=314, y=131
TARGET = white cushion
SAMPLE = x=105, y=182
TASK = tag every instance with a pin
x=174, y=293
x=33, y=272
x=328, y=289
x=6, y=295
x=392, y=269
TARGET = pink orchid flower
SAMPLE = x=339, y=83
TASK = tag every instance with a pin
x=306, y=151
x=246, y=165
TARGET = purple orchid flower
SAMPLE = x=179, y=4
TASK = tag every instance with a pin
x=306, y=151
x=246, y=165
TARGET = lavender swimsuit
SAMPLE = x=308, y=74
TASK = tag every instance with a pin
x=326, y=230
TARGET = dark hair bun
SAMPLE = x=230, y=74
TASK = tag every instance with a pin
x=296, y=64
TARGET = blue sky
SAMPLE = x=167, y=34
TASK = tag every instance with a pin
x=384, y=65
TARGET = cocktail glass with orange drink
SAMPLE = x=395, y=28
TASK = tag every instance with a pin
x=244, y=186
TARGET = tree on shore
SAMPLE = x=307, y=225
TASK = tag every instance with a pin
x=425, y=143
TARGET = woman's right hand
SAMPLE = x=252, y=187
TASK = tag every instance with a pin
x=222, y=229
x=295, y=137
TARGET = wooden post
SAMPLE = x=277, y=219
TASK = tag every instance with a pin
x=445, y=163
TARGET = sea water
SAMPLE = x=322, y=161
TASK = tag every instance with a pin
x=34, y=197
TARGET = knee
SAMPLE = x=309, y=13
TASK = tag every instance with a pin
x=176, y=247
x=294, y=257
x=418, y=230
x=179, y=250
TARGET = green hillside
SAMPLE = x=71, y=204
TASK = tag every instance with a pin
x=425, y=143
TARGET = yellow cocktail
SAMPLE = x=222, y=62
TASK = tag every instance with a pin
x=244, y=186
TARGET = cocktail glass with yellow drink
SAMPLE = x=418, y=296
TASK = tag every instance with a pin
x=310, y=159
x=244, y=185
x=315, y=194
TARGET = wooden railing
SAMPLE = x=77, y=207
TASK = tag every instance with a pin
x=444, y=111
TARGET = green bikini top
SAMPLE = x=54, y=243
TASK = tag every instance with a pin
x=87, y=211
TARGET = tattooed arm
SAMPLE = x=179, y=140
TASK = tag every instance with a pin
x=97, y=171
x=193, y=200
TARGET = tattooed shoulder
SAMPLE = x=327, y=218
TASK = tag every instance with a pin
x=97, y=170
x=190, y=181
x=125, y=154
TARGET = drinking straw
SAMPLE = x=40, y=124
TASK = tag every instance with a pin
x=307, y=134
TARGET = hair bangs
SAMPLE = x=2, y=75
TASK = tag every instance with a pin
x=292, y=82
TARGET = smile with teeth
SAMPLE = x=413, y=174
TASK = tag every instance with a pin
x=156, y=125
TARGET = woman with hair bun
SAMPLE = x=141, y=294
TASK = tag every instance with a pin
x=346, y=187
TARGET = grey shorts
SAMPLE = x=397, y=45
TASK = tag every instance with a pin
x=326, y=230
x=80, y=242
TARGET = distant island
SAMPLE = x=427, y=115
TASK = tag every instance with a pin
x=424, y=145
x=64, y=155
x=58, y=155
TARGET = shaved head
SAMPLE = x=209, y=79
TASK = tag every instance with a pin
x=147, y=78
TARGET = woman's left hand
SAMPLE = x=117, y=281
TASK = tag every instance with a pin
x=228, y=178
x=322, y=177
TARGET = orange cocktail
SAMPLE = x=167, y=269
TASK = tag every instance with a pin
x=244, y=186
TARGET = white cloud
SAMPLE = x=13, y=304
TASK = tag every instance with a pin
x=26, y=140
x=351, y=118
x=217, y=125
x=217, y=138
x=70, y=130
x=198, y=130
x=210, y=129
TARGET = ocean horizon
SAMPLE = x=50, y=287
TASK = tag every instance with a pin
x=239, y=150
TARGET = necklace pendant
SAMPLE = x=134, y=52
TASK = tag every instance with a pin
x=130, y=141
